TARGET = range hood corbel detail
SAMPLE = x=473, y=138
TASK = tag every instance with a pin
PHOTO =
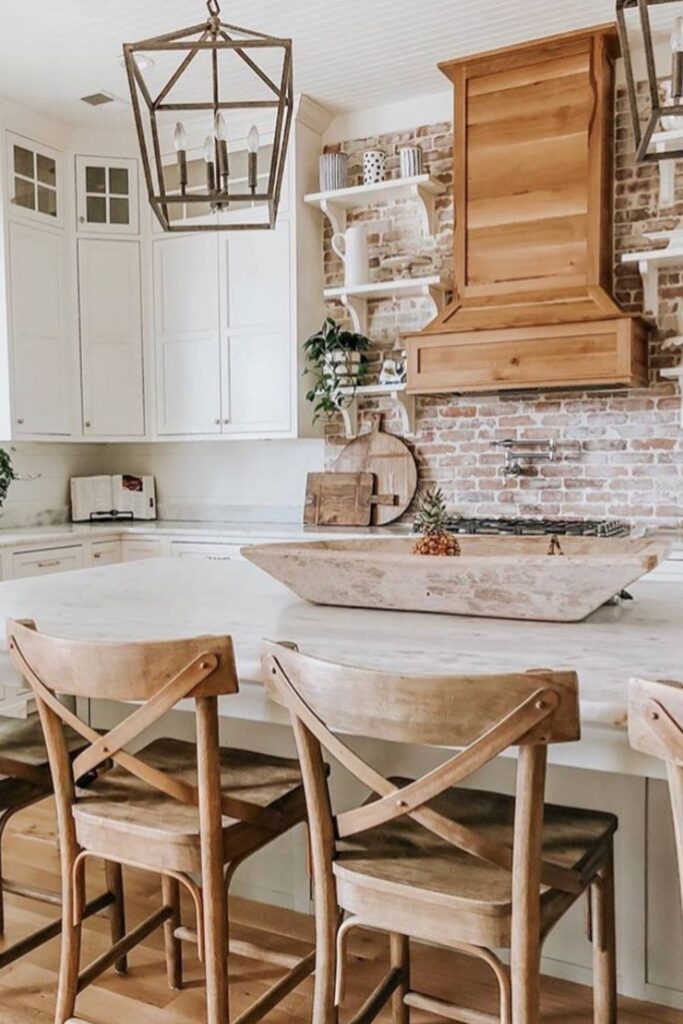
x=534, y=170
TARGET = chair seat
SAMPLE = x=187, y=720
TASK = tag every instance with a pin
x=469, y=900
x=121, y=816
x=21, y=740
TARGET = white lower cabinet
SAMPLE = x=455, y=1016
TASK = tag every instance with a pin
x=46, y=561
x=111, y=338
x=104, y=552
x=134, y=550
x=199, y=549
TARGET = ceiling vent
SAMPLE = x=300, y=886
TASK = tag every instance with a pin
x=98, y=99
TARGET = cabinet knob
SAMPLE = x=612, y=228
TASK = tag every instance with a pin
x=217, y=420
x=226, y=420
x=87, y=423
x=19, y=420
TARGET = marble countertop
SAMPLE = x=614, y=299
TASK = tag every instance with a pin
x=225, y=532
x=169, y=597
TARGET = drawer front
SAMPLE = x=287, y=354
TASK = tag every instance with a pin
x=105, y=552
x=46, y=561
x=212, y=552
x=564, y=355
x=133, y=550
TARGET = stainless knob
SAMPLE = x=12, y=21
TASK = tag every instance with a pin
x=20, y=420
x=87, y=423
x=226, y=421
x=217, y=421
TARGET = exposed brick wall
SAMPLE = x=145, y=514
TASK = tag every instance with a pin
x=623, y=450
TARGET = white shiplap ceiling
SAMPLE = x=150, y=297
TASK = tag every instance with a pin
x=348, y=54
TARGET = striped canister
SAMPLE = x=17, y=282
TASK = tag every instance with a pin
x=334, y=169
x=411, y=161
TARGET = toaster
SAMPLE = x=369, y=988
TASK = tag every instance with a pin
x=125, y=496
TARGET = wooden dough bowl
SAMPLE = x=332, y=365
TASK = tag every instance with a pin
x=500, y=577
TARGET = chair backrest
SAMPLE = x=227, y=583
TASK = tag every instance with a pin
x=159, y=674
x=482, y=714
x=655, y=727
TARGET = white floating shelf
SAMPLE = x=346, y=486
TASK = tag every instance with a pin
x=664, y=142
x=356, y=299
x=421, y=187
x=405, y=403
x=649, y=264
x=675, y=373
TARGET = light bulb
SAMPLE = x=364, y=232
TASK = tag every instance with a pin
x=208, y=149
x=253, y=140
x=180, y=137
x=677, y=36
x=221, y=129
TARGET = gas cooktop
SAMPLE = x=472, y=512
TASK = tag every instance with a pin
x=523, y=526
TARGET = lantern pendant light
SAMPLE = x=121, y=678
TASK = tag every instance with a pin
x=188, y=106
x=658, y=108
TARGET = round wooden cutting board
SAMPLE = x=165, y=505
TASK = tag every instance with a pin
x=392, y=463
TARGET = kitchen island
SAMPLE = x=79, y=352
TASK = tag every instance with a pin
x=173, y=597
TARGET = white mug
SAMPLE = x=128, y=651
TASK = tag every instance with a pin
x=352, y=248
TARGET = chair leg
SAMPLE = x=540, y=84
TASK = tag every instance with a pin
x=70, y=952
x=602, y=903
x=117, y=913
x=327, y=921
x=400, y=957
x=3, y=822
x=170, y=891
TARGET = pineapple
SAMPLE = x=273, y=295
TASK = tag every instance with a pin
x=430, y=521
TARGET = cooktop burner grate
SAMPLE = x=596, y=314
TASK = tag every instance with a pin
x=529, y=527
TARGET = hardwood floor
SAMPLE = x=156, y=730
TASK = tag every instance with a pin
x=142, y=997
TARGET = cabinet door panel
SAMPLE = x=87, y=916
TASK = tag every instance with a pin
x=46, y=562
x=258, y=383
x=188, y=365
x=258, y=278
x=111, y=337
x=40, y=358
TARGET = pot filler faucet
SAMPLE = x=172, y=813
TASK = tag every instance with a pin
x=519, y=452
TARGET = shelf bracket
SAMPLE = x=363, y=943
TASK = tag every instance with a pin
x=650, y=275
x=427, y=207
x=437, y=296
x=336, y=214
x=349, y=414
x=406, y=408
x=358, y=308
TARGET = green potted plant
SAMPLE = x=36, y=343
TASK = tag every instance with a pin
x=7, y=475
x=336, y=359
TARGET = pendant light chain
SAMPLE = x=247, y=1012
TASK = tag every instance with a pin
x=213, y=8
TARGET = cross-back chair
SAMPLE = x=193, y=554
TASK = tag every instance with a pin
x=655, y=726
x=182, y=810
x=25, y=781
x=472, y=870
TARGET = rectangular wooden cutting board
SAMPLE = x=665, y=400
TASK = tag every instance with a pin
x=338, y=499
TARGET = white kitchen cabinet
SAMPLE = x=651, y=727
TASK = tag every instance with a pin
x=111, y=338
x=104, y=552
x=187, y=341
x=135, y=550
x=34, y=181
x=200, y=549
x=107, y=195
x=41, y=386
x=47, y=561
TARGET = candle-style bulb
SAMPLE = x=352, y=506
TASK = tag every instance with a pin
x=220, y=127
x=253, y=140
x=180, y=137
x=677, y=36
x=677, y=60
x=208, y=149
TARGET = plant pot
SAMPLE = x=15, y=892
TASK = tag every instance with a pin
x=342, y=367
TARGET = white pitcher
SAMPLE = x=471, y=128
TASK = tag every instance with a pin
x=352, y=248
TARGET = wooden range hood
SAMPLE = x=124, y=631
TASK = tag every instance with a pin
x=534, y=169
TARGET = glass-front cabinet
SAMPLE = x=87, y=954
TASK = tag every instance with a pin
x=34, y=180
x=107, y=195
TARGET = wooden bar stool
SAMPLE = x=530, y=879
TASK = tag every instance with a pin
x=182, y=810
x=25, y=781
x=655, y=727
x=456, y=867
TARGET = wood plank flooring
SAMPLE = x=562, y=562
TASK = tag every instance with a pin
x=142, y=997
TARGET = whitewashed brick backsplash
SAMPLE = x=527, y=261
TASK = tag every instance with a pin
x=624, y=449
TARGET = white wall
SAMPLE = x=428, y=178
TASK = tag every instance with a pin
x=45, y=499
x=235, y=481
